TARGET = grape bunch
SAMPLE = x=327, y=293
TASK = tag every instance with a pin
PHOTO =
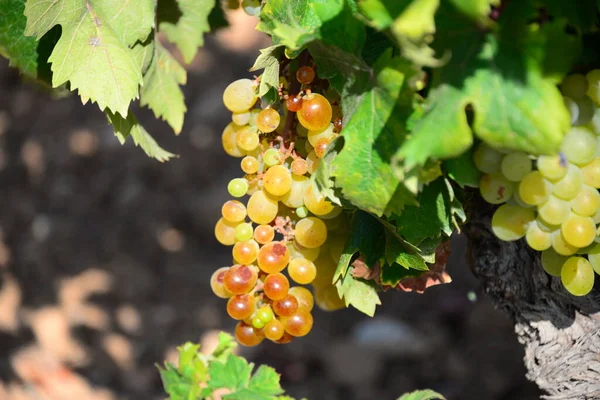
x=286, y=231
x=553, y=200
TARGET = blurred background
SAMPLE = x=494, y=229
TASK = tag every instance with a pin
x=106, y=256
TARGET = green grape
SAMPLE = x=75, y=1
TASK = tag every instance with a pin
x=316, y=135
x=271, y=157
x=561, y=246
x=577, y=276
x=510, y=222
x=294, y=198
x=587, y=201
x=302, y=212
x=551, y=167
x=229, y=140
x=554, y=211
x=574, y=86
x=534, y=189
x=258, y=323
x=596, y=217
x=537, y=239
x=591, y=173
x=243, y=232
x=277, y=180
x=515, y=166
x=546, y=226
x=316, y=112
x=310, y=232
x=594, y=124
x=265, y=314
x=237, y=187
x=240, y=118
x=578, y=231
x=225, y=232
x=239, y=96
x=487, y=159
x=495, y=188
x=268, y=120
x=572, y=108
x=517, y=200
x=552, y=262
x=262, y=208
x=586, y=111
x=568, y=187
x=593, y=257
x=297, y=250
x=316, y=202
x=233, y=211
x=579, y=145
x=247, y=139
x=245, y=252
x=593, y=78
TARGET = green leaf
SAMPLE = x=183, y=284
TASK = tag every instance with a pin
x=130, y=22
x=505, y=78
x=269, y=61
x=462, y=169
x=125, y=127
x=392, y=274
x=582, y=14
x=20, y=50
x=161, y=91
x=232, y=374
x=476, y=9
x=422, y=395
x=143, y=54
x=264, y=385
x=177, y=386
x=225, y=347
x=188, y=32
x=398, y=252
x=372, y=135
x=88, y=47
x=359, y=293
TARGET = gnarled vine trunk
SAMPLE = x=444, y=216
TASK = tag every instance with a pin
x=560, y=332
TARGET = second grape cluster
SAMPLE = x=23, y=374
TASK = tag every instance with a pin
x=553, y=201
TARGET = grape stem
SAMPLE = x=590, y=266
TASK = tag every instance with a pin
x=294, y=89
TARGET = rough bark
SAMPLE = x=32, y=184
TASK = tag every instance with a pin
x=560, y=332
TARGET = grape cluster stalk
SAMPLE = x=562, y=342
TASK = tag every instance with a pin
x=553, y=200
x=286, y=231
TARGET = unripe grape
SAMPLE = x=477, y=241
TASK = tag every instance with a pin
x=277, y=180
x=263, y=234
x=286, y=306
x=240, y=306
x=515, y=166
x=262, y=208
x=316, y=202
x=587, y=201
x=510, y=222
x=578, y=231
x=552, y=262
x=239, y=96
x=225, y=232
x=247, y=139
x=495, y=188
x=257, y=323
x=579, y=145
x=245, y=252
x=561, y=246
x=534, y=189
x=304, y=296
x=294, y=103
x=274, y=330
x=229, y=140
x=593, y=258
x=265, y=314
x=246, y=335
x=240, y=279
x=233, y=211
x=298, y=324
x=271, y=157
x=216, y=283
x=302, y=271
x=243, y=232
x=593, y=78
x=276, y=286
x=315, y=113
x=487, y=159
x=273, y=257
x=577, y=276
x=268, y=120
x=302, y=212
x=568, y=187
x=305, y=75
x=310, y=232
x=237, y=187
x=591, y=173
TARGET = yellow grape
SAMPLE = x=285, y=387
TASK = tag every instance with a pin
x=587, y=201
x=274, y=330
x=551, y=167
x=568, y=187
x=552, y=262
x=537, y=239
x=495, y=188
x=312, y=162
x=316, y=112
x=591, y=173
x=299, y=167
x=310, y=232
x=273, y=257
x=229, y=140
x=217, y=285
x=268, y=120
x=239, y=96
x=247, y=139
x=545, y=226
x=249, y=165
x=298, y=324
x=561, y=246
x=304, y=296
x=577, y=276
x=241, y=306
x=225, y=232
x=554, y=211
x=246, y=335
x=241, y=118
x=510, y=222
x=297, y=250
x=316, y=202
x=328, y=299
x=487, y=159
x=302, y=271
x=263, y=234
x=262, y=208
x=277, y=180
x=593, y=257
x=578, y=231
x=321, y=147
x=294, y=198
x=515, y=166
x=245, y=252
x=326, y=267
x=315, y=135
x=233, y=211
x=534, y=189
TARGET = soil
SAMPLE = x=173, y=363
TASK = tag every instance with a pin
x=106, y=256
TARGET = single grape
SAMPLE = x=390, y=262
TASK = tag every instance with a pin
x=537, y=239
x=276, y=286
x=285, y=339
x=304, y=296
x=510, y=222
x=257, y=323
x=243, y=232
x=515, y=166
x=487, y=159
x=294, y=198
x=274, y=330
x=297, y=250
x=554, y=211
x=315, y=113
x=271, y=157
x=225, y=232
x=216, y=283
x=262, y=208
x=546, y=226
x=593, y=258
x=578, y=231
x=247, y=139
x=310, y=232
x=534, y=189
x=245, y=252
x=552, y=262
x=326, y=268
x=240, y=306
x=586, y=110
x=299, y=167
x=263, y=234
x=572, y=108
x=579, y=145
x=316, y=202
x=249, y=165
x=229, y=140
x=321, y=147
x=302, y=271
x=575, y=86
x=253, y=115
x=239, y=96
x=286, y=306
x=273, y=257
x=277, y=180
x=237, y=187
x=591, y=173
x=587, y=201
x=294, y=103
x=561, y=246
x=593, y=78
x=268, y=120
x=240, y=279
x=577, y=276
x=233, y=211
x=568, y=187
x=495, y=188
x=251, y=7
x=246, y=335
x=298, y=324
x=551, y=167
x=305, y=75
x=265, y=314
x=594, y=124
x=328, y=299
x=302, y=212
x=315, y=135
x=312, y=162
x=240, y=118
x=337, y=124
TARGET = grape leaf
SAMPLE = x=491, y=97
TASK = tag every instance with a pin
x=422, y=395
x=131, y=23
x=583, y=14
x=20, y=50
x=88, y=47
x=177, y=386
x=398, y=252
x=372, y=135
x=188, y=32
x=476, y=9
x=359, y=293
x=269, y=61
x=508, y=82
x=161, y=91
x=462, y=169
x=225, y=347
x=263, y=385
x=125, y=127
